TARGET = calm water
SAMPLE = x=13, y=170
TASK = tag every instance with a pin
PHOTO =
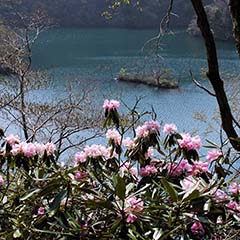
x=94, y=57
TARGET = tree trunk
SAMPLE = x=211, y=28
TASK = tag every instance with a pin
x=235, y=14
x=213, y=73
x=23, y=108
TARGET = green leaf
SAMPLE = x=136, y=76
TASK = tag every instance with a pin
x=189, y=196
x=167, y=234
x=57, y=200
x=28, y=195
x=121, y=188
x=170, y=189
x=46, y=231
x=50, y=187
x=212, y=143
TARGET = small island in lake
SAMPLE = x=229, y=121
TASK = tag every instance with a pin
x=164, y=79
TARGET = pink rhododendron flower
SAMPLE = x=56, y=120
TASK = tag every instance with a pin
x=169, y=128
x=1, y=181
x=128, y=142
x=18, y=148
x=29, y=150
x=149, y=153
x=50, y=148
x=213, y=154
x=220, y=195
x=190, y=143
x=41, y=211
x=133, y=205
x=79, y=175
x=95, y=151
x=131, y=218
x=111, y=104
x=152, y=126
x=188, y=182
x=234, y=207
x=81, y=157
x=126, y=168
x=148, y=170
x=191, y=182
x=234, y=188
x=147, y=128
x=199, y=167
x=40, y=148
x=141, y=131
x=92, y=151
x=32, y=149
x=197, y=229
x=12, y=139
x=177, y=169
x=114, y=135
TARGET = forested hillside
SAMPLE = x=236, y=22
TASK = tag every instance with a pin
x=88, y=13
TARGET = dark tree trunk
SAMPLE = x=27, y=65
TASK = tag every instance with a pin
x=235, y=14
x=213, y=73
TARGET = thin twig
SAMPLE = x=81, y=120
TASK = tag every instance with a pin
x=200, y=85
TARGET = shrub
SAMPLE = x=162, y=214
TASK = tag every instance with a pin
x=142, y=185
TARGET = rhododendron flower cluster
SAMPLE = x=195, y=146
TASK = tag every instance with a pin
x=113, y=134
x=148, y=170
x=234, y=188
x=220, y=195
x=199, y=167
x=127, y=168
x=111, y=104
x=190, y=182
x=213, y=154
x=92, y=151
x=41, y=211
x=184, y=168
x=149, y=127
x=189, y=142
x=197, y=229
x=233, y=207
x=79, y=175
x=149, y=153
x=12, y=139
x=177, y=169
x=32, y=149
x=128, y=142
x=169, y=128
x=133, y=205
x=1, y=181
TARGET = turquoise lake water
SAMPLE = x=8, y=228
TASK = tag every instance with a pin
x=94, y=57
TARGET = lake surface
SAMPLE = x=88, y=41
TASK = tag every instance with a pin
x=94, y=58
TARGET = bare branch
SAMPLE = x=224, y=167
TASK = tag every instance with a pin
x=200, y=85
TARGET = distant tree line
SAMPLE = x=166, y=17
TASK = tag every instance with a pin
x=82, y=13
